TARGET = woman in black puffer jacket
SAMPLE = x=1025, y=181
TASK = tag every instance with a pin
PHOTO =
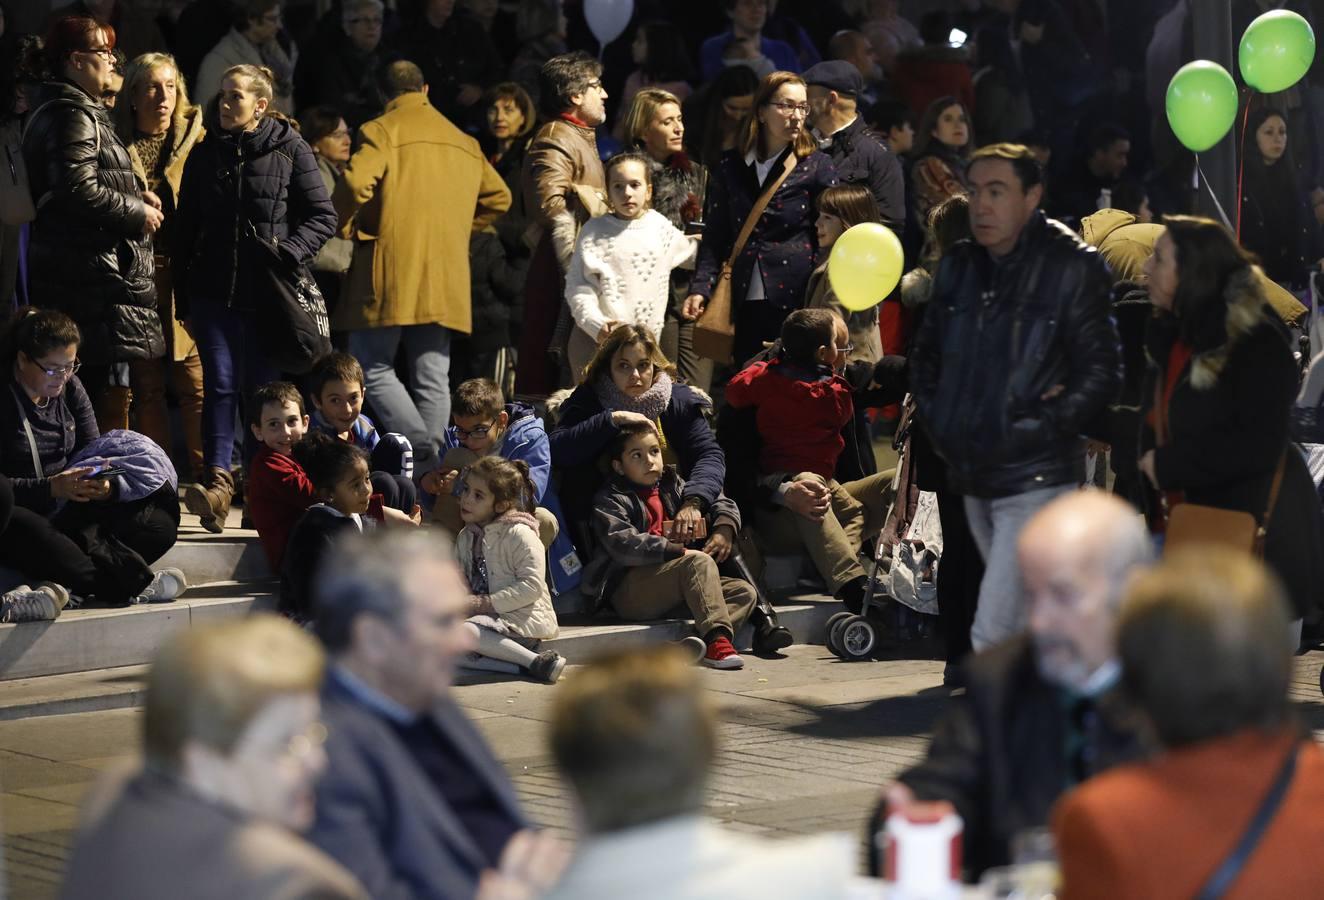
x=90, y=254
x=253, y=174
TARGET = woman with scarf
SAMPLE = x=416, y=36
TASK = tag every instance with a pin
x=654, y=125
x=630, y=380
x=942, y=149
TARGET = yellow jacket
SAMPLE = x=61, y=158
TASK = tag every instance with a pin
x=405, y=200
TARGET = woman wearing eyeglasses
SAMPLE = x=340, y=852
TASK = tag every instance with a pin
x=93, y=536
x=90, y=251
x=769, y=277
x=256, y=40
x=232, y=749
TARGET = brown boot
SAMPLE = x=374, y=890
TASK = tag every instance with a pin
x=210, y=498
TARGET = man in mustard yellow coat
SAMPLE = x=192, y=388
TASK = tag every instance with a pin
x=413, y=193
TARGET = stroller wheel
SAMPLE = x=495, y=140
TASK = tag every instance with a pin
x=832, y=622
x=858, y=637
x=834, y=633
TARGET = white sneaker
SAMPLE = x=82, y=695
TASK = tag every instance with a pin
x=694, y=647
x=23, y=604
x=166, y=585
x=58, y=592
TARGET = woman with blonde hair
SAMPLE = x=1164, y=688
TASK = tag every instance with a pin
x=160, y=127
x=654, y=124
x=252, y=186
x=771, y=272
x=232, y=746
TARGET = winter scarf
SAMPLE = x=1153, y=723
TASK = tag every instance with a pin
x=477, y=570
x=650, y=404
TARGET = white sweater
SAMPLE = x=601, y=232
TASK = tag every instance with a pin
x=621, y=271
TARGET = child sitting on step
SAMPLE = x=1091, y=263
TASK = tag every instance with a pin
x=278, y=489
x=505, y=564
x=336, y=387
x=644, y=571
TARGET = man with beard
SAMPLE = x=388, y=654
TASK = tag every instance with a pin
x=1040, y=711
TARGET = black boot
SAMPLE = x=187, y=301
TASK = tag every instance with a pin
x=852, y=593
x=770, y=636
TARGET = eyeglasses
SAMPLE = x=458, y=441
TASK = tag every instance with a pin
x=478, y=431
x=58, y=371
x=366, y=20
x=846, y=349
x=105, y=53
x=339, y=133
x=306, y=741
x=790, y=109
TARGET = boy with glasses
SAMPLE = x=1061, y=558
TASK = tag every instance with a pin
x=484, y=424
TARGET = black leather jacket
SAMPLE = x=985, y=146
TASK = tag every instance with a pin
x=87, y=255
x=998, y=336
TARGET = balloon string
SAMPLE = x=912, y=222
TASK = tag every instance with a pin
x=1200, y=176
x=1241, y=160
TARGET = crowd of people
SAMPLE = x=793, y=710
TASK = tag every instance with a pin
x=574, y=311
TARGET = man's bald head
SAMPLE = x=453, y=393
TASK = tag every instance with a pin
x=1076, y=555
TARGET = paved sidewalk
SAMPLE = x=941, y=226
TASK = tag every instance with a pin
x=806, y=741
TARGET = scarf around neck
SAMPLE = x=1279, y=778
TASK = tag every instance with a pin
x=651, y=403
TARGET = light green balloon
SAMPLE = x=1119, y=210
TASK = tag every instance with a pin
x=1276, y=51
x=1202, y=104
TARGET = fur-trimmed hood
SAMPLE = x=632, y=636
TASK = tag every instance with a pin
x=1246, y=310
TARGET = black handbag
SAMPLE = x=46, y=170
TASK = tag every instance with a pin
x=293, y=326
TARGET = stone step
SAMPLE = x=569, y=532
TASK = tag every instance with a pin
x=60, y=674
x=83, y=640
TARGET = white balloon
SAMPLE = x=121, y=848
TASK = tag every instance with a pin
x=607, y=19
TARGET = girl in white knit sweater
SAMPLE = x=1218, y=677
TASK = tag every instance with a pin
x=621, y=270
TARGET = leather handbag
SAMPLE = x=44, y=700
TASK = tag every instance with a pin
x=294, y=328
x=715, y=331
x=1194, y=523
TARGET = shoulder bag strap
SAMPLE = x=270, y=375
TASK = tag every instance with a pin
x=756, y=211
x=37, y=470
x=1227, y=873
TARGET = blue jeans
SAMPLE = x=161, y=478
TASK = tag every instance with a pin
x=995, y=524
x=231, y=369
x=420, y=414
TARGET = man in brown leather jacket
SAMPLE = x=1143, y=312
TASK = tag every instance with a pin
x=565, y=186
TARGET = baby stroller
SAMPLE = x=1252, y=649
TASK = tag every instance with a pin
x=902, y=594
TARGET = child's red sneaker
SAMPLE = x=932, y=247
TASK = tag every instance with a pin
x=722, y=655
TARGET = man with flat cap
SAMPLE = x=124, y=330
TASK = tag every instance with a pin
x=834, y=89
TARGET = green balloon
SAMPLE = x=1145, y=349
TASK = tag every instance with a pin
x=1202, y=104
x=1276, y=50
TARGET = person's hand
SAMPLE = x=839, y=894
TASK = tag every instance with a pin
x=607, y=329
x=469, y=94
x=152, y=220
x=1031, y=33
x=720, y=543
x=73, y=484
x=439, y=483
x=481, y=605
x=621, y=417
x=531, y=863
x=394, y=517
x=1098, y=448
x=693, y=306
x=1055, y=391
x=687, y=526
x=1146, y=465
x=150, y=198
x=416, y=516
x=899, y=797
x=808, y=499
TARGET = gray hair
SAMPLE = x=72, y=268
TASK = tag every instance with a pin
x=367, y=574
x=1130, y=549
x=352, y=8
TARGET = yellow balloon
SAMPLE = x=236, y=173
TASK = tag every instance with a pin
x=865, y=265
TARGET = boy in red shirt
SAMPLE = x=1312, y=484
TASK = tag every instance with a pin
x=278, y=490
x=801, y=406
